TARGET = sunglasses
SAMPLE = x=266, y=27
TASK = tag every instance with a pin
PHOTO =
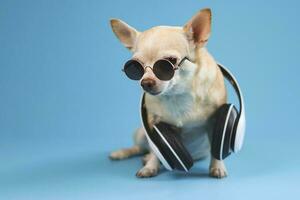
x=162, y=68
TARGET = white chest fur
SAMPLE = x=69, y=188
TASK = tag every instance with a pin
x=182, y=110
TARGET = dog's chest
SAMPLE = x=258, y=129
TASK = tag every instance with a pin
x=180, y=110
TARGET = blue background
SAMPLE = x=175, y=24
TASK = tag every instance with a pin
x=64, y=103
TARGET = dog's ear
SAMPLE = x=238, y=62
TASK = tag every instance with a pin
x=126, y=34
x=198, y=28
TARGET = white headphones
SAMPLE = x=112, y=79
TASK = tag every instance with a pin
x=228, y=135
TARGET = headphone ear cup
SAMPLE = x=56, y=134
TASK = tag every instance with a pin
x=178, y=154
x=224, y=127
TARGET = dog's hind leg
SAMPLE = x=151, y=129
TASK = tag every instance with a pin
x=139, y=147
x=126, y=153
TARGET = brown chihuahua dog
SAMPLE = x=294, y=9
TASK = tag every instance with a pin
x=189, y=99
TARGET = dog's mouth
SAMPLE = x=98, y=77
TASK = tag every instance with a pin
x=154, y=93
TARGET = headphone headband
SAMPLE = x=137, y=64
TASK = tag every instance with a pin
x=229, y=76
x=241, y=124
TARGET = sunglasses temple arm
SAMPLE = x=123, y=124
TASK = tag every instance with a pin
x=185, y=58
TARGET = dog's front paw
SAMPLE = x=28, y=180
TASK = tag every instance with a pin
x=118, y=155
x=217, y=172
x=147, y=172
x=146, y=158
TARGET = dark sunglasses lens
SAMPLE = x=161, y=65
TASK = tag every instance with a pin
x=134, y=70
x=163, y=70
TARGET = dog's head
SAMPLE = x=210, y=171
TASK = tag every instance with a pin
x=165, y=42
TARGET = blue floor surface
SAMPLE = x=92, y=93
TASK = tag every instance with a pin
x=77, y=170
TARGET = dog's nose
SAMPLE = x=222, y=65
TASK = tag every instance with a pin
x=148, y=84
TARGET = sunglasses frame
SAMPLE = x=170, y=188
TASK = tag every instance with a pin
x=175, y=67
